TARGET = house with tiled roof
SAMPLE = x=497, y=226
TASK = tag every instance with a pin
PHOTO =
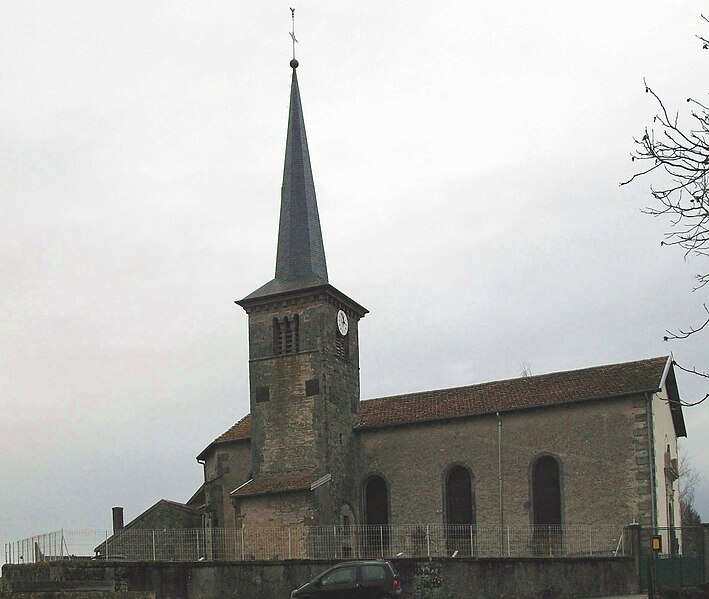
x=591, y=446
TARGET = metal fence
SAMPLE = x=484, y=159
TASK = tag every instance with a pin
x=679, y=562
x=321, y=542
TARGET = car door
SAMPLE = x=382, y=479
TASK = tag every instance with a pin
x=372, y=581
x=339, y=583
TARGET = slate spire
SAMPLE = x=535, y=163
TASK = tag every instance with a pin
x=300, y=255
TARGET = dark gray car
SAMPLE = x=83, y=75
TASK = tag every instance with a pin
x=364, y=579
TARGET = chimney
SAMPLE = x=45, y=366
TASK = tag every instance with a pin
x=117, y=519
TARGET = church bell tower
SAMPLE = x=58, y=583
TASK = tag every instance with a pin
x=303, y=362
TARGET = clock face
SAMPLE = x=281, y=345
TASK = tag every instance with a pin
x=342, y=325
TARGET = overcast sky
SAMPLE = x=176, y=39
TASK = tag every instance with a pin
x=466, y=158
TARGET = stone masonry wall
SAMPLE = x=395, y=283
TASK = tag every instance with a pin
x=305, y=404
x=643, y=461
x=264, y=512
x=230, y=463
x=421, y=579
x=593, y=442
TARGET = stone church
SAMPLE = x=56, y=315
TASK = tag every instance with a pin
x=592, y=446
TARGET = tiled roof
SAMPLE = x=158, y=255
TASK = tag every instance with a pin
x=515, y=394
x=276, y=483
x=241, y=430
x=500, y=396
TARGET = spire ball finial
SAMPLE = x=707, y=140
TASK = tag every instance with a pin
x=294, y=64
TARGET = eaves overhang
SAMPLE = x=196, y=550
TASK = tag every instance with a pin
x=276, y=291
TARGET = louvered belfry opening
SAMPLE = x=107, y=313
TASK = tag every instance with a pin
x=286, y=335
x=342, y=345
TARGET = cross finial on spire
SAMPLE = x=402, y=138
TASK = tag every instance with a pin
x=294, y=62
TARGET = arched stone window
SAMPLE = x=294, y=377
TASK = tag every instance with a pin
x=376, y=515
x=460, y=508
x=546, y=492
x=546, y=505
x=460, y=511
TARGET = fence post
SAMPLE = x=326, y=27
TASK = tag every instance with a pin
x=705, y=549
x=590, y=541
x=381, y=539
x=243, y=553
x=154, y=558
x=633, y=531
x=290, y=551
x=428, y=541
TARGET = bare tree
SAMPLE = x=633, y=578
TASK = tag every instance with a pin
x=688, y=479
x=525, y=369
x=678, y=150
x=681, y=150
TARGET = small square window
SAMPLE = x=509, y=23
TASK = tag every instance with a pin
x=312, y=387
x=261, y=394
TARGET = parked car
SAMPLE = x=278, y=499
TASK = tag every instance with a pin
x=364, y=579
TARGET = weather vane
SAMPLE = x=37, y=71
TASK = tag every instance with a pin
x=292, y=33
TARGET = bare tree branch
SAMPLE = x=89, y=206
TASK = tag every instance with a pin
x=675, y=151
x=688, y=480
x=680, y=334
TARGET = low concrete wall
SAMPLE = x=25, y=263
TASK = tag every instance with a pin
x=442, y=578
x=80, y=595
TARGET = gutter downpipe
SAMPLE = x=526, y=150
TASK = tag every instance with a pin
x=651, y=456
x=499, y=477
x=203, y=463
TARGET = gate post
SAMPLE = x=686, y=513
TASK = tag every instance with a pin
x=705, y=550
x=633, y=541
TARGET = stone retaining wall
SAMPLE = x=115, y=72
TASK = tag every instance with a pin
x=441, y=578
